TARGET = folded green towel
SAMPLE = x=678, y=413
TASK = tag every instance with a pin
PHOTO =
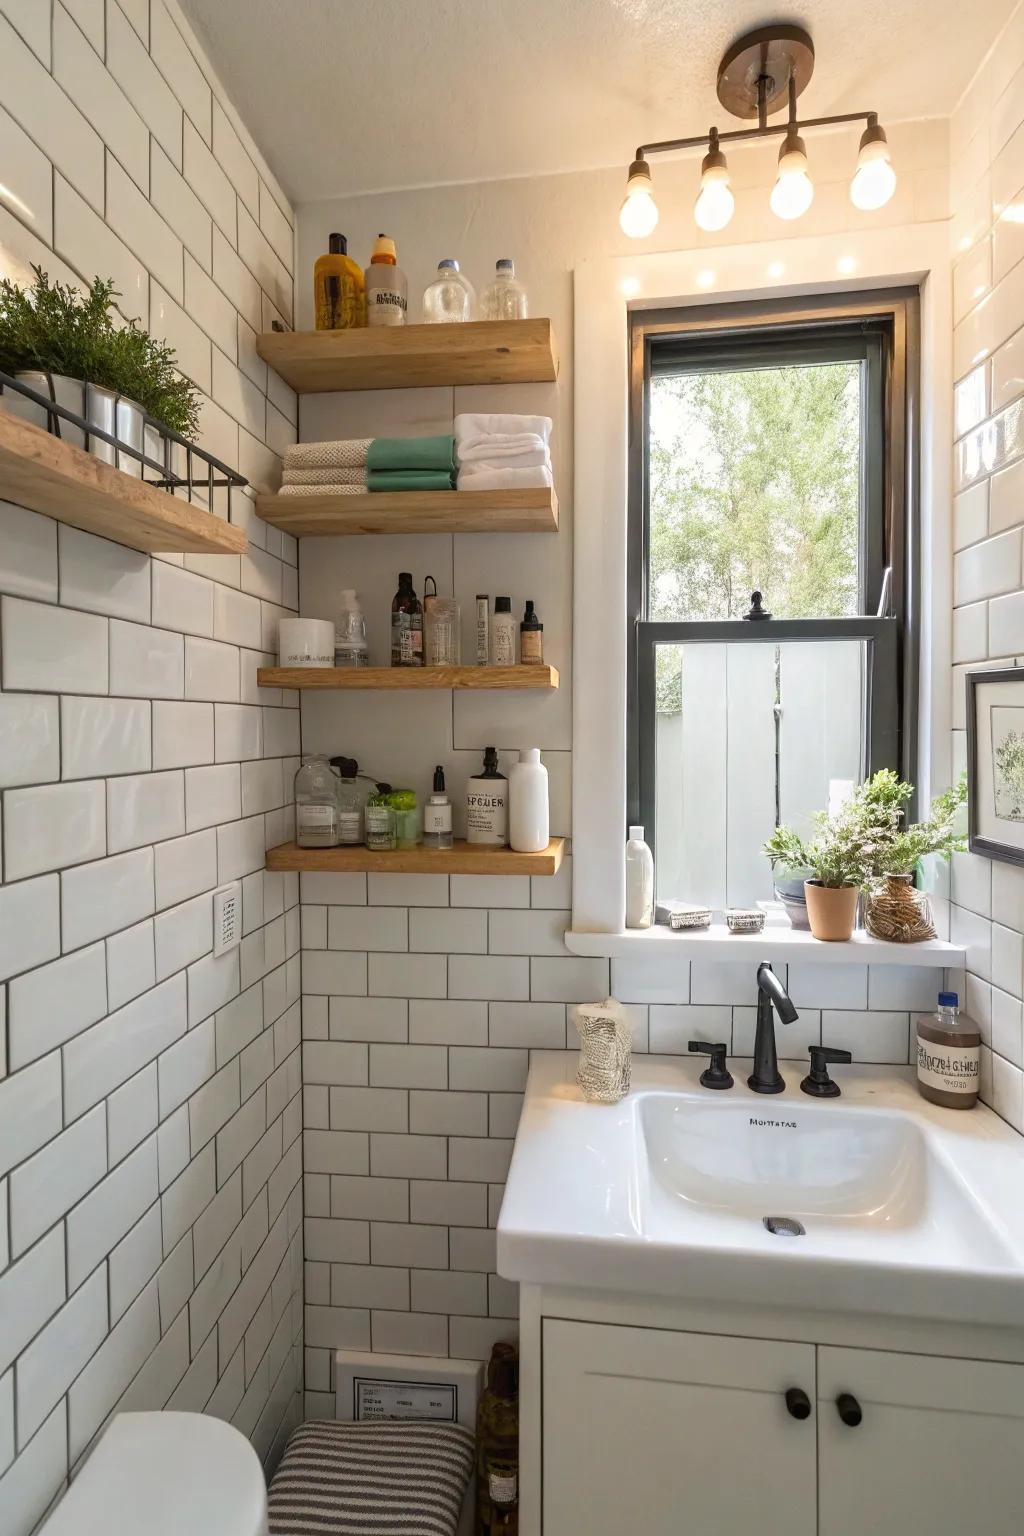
x=411, y=453
x=410, y=480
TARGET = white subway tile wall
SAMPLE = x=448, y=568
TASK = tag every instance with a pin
x=987, y=174
x=150, y=1116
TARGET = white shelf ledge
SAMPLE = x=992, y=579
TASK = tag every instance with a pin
x=774, y=942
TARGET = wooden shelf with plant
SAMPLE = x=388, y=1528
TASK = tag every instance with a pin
x=106, y=414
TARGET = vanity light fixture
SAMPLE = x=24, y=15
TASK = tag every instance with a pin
x=760, y=74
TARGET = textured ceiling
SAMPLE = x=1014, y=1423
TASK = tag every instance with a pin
x=362, y=95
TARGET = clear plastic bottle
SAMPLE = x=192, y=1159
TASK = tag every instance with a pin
x=386, y=287
x=437, y=815
x=351, y=799
x=505, y=298
x=350, y=633
x=316, y=803
x=450, y=297
x=380, y=820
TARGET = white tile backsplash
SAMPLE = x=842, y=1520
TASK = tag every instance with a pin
x=56, y=650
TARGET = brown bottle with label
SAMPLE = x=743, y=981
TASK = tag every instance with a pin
x=948, y=1056
x=497, y=1446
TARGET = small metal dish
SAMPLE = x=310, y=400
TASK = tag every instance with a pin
x=744, y=919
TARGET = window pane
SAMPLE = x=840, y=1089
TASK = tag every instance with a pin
x=748, y=734
x=755, y=483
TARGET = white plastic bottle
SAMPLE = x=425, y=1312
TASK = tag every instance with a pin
x=505, y=298
x=528, y=824
x=639, y=881
x=449, y=297
x=350, y=633
x=386, y=287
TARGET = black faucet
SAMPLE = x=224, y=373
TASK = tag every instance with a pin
x=766, y=1077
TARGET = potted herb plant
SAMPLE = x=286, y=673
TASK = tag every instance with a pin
x=867, y=845
x=73, y=347
x=835, y=869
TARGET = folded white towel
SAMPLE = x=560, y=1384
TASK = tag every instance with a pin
x=330, y=474
x=527, y=448
x=476, y=424
x=349, y=453
x=477, y=479
x=323, y=490
x=537, y=458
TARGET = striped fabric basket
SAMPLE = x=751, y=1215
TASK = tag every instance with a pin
x=381, y=1479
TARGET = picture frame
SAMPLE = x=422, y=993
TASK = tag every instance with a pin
x=995, y=763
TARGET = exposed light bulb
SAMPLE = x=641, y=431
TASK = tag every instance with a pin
x=874, y=180
x=715, y=202
x=793, y=191
x=639, y=212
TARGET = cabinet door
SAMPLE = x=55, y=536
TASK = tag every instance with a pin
x=650, y=1433
x=939, y=1448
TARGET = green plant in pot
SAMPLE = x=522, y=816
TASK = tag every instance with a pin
x=868, y=845
x=75, y=348
x=834, y=870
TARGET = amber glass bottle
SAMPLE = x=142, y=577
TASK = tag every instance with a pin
x=497, y=1446
x=339, y=289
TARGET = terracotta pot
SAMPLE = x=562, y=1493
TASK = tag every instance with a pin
x=831, y=910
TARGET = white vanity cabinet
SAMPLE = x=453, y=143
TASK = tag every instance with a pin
x=651, y=1431
x=939, y=1447
x=646, y=1432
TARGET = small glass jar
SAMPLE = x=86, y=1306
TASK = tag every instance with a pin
x=407, y=817
x=316, y=803
x=379, y=819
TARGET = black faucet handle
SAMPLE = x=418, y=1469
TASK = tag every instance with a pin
x=718, y=1074
x=817, y=1083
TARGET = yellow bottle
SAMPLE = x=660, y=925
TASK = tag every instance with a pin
x=339, y=289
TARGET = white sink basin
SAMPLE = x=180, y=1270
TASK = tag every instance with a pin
x=895, y=1206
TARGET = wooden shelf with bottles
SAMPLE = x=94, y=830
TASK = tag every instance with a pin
x=413, y=356
x=531, y=510
x=462, y=859
x=531, y=677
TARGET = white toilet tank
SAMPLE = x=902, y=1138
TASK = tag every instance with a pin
x=165, y=1474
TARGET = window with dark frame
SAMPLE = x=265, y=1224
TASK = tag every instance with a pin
x=771, y=450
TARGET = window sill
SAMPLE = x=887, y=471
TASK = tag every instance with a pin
x=717, y=943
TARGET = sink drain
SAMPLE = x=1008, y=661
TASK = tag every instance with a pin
x=784, y=1226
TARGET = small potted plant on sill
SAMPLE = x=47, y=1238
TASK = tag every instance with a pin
x=834, y=870
x=866, y=845
x=73, y=348
x=894, y=908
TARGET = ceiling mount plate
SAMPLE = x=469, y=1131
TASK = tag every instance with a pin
x=779, y=53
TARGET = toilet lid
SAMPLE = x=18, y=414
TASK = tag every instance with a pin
x=162, y=1474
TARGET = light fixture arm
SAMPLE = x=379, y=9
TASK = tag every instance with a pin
x=772, y=130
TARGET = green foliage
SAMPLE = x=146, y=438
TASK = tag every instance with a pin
x=1010, y=767
x=868, y=839
x=755, y=483
x=55, y=328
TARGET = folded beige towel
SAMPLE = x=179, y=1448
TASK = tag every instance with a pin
x=349, y=453
x=330, y=474
x=323, y=490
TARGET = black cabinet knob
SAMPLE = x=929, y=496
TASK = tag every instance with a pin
x=798, y=1404
x=849, y=1409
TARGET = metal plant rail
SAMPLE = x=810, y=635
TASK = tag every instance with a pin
x=213, y=476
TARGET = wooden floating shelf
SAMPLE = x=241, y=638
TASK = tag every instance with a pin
x=40, y=471
x=364, y=678
x=511, y=511
x=413, y=356
x=462, y=859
